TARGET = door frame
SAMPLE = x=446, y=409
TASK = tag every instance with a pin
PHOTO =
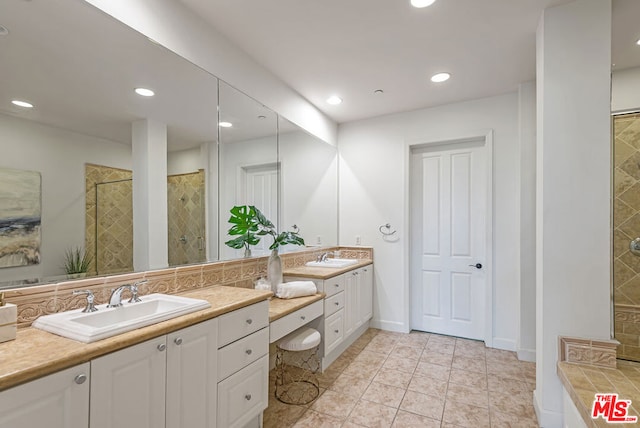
x=487, y=137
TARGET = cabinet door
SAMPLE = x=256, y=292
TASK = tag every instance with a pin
x=59, y=400
x=192, y=376
x=128, y=387
x=365, y=286
x=352, y=308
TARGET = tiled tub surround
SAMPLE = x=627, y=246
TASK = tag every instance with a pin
x=46, y=299
x=416, y=380
x=627, y=331
x=596, y=353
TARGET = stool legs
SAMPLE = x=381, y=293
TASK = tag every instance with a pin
x=296, y=380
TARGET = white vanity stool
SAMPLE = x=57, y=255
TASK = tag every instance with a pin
x=297, y=363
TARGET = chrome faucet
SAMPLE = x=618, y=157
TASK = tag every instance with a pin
x=115, y=301
x=90, y=299
x=322, y=257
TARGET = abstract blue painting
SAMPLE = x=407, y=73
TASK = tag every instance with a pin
x=20, y=213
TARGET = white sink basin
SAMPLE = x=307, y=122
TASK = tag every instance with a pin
x=107, y=322
x=333, y=263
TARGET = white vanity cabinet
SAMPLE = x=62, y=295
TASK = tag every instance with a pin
x=59, y=400
x=167, y=381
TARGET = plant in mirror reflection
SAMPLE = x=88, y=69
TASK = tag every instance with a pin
x=250, y=225
x=76, y=260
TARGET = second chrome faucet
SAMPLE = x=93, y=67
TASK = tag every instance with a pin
x=115, y=300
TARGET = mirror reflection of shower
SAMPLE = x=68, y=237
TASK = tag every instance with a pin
x=114, y=226
x=186, y=218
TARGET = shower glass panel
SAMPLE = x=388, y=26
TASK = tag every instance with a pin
x=114, y=227
x=186, y=218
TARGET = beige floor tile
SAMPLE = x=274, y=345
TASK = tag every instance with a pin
x=334, y=404
x=361, y=370
x=470, y=352
x=279, y=415
x=438, y=338
x=469, y=395
x=411, y=420
x=408, y=352
x=516, y=404
x=442, y=348
x=470, y=364
x=465, y=377
x=429, y=386
x=432, y=370
x=349, y=385
x=506, y=420
x=382, y=348
x=499, y=355
x=466, y=415
x=502, y=384
x=393, y=378
x=328, y=377
x=372, y=415
x=433, y=357
x=415, y=339
x=400, y=364
x=313, y=419
x=511, y=370
x=370, y=358
x=422, y=404
x=384, y=394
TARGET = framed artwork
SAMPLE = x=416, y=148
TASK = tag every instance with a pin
x=20, y=214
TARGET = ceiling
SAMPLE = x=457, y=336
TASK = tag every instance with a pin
x=351, y=48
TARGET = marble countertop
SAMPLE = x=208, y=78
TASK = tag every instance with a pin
x=582, y=382
x=37, y=353
x=323, y=272
x=278, y=308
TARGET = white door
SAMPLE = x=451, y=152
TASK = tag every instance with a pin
x=260, y=188
x=448, y=239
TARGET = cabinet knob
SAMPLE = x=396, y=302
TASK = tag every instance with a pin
x=249, y=321
x=337, y=285
x=336, y=331
x=178, y=341
x=80, y=379
x=162, y=347
x=303, y=318
x=337, y=303
x=365, y=270
x=249, y=351
x=247, y=397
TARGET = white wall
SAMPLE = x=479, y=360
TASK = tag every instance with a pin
x=373, y=191
x=185, y=161
x=60, y=156
x=174, y=26
x=573, y=187
x=625, y=90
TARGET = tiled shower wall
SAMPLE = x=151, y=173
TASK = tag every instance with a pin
x=109, y=219
x=186, y=218
x=626, y=227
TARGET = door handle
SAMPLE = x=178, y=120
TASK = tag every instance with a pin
x=477, y=266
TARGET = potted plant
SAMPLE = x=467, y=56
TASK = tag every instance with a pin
x=76, y=262
x=250, y=224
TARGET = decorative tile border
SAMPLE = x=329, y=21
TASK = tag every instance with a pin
x=627, y=331
x=47, y=299
x=597, y=353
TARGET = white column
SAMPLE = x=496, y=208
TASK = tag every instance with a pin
x=573, y=187
x=209, y=154
x=527, y=135
x=150, y=233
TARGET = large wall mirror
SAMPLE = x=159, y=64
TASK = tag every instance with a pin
x=80, y=79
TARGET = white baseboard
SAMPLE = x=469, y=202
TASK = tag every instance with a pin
x=527, y=355
x=546, y=418
x=504, y=344
x=396, y=326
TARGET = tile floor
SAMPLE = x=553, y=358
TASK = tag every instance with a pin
x=416, y=380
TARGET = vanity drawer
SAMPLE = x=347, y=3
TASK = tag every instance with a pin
x=334, y=285
x=285, y=325
x=333, y=331
x=333, y=304
x=242, y=322
x=244, y=395
x=242, y=352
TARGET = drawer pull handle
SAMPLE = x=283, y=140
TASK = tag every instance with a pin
x=162, y=347
x=247, y=397
x=336, y=331
x=80, y=379
x=366, y=270
x=337, y=285
x=249, y=321
x=303, y=318
x=249, y=351
x=337, y=303
x=178, y=341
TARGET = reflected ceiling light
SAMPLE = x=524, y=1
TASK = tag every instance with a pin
x=262, y=116
x=334, y=100
x=145, y=92
x=225, y=124
x=20, y=103
x=422, y=3
x=3, y=30
x=440, y=77
x=638, y=42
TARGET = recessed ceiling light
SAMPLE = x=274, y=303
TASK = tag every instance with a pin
x=334, y=100
x=20, y=103
x=3, y=31
x=145, y=92
x=378, y=92
x=262, y=116
x=422, y=3
x=638, y=42
x=225, y=124
x=440, y=77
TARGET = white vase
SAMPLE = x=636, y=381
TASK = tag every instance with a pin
x=274, y=270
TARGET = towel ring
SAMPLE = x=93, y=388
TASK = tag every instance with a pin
x=388, y=232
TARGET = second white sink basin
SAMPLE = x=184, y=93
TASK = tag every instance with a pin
x=333, y=263
x=107, y=322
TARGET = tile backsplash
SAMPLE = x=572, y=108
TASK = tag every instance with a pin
x=46, y=299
